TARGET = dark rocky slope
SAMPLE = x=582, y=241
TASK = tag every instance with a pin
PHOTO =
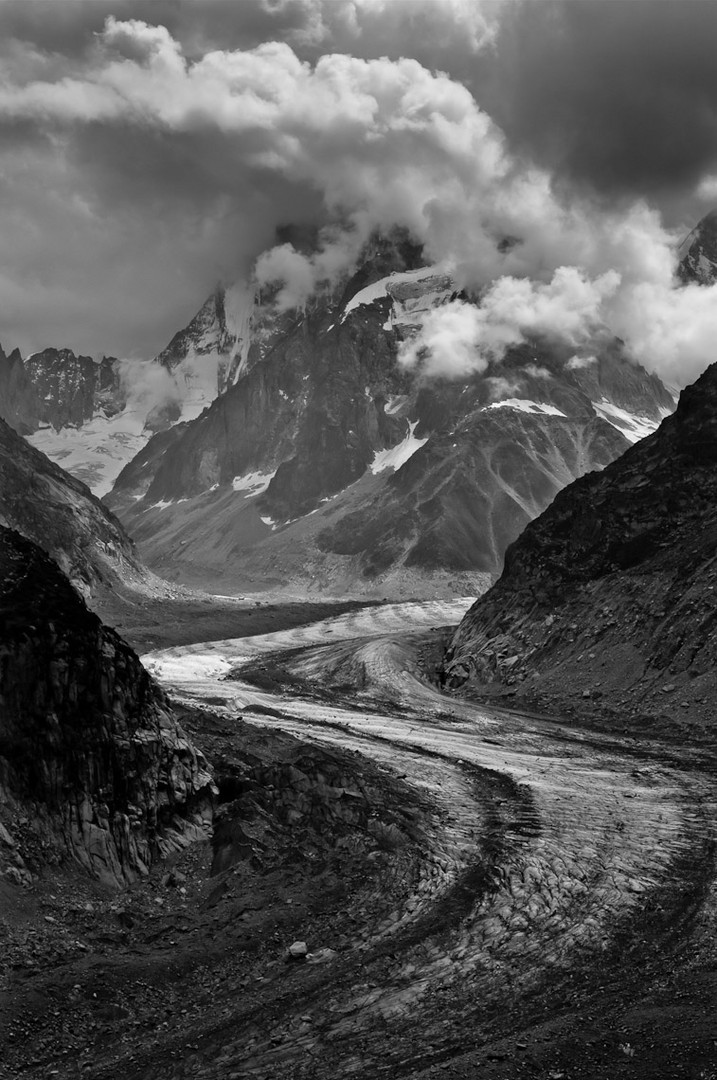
x=90, y=752
x=610, y=596
x=61, y=515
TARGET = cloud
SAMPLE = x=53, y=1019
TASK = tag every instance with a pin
x=460, y=338
x=142, y=161
x=219, y=149
x=616, y=98
x=147, y=384
x=450, y=344
x=579, y=363
x=672, y=331
x=499, y=388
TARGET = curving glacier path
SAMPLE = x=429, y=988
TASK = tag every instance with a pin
x=557, y=849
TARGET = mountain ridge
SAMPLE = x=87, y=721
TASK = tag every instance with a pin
x=323, y=424
x=606, y=605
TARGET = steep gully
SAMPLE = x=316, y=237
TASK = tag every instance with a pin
x=560, y=908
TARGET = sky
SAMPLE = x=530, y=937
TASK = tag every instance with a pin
x=151, y=148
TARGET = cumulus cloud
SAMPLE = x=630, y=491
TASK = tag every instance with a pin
x=175, y=151
x=451, y=343
x=301, y=275
x=579, y=363
x=218, y=149
x=147, y=385
x=672, y=331
x=461, y=338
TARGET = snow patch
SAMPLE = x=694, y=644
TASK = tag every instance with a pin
x=397, y=456
x=407, y=304
x=526, y=406
x=253, y=483
x=394, y=403
x=369, y=295
x=632, y=427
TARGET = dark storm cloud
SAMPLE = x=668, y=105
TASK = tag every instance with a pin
x=149, y=148
x=124, y=225
x=620, y=97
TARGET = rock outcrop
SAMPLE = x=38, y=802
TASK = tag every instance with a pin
x=89, y=749
x=71, y=389
x=19, y=404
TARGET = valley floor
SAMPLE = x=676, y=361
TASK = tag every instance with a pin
x=481, y=893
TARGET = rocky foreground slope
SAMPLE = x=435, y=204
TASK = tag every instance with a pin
x=326, y=465
x=93, y=764
x=610, y=596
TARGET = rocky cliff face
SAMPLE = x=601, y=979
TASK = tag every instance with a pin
x=19, y=404
x=325, y=464
x=61, y=515
x=88, y=744
x=611, y=594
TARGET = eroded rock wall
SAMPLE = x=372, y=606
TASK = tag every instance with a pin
x=88, y=742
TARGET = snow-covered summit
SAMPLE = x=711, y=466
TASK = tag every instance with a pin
x=210, y=353
x=412, y=293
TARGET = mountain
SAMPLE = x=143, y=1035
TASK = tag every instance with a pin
x=610, y=596
x=210, y=351
x=698, y=252
x=57, y=512
x=326, y=465
x=93, y=416
x=19, y=404
x=72, y=389
x=91, y=758
x=606, y=599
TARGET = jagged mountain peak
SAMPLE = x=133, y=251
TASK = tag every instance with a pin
x=327, y=458
x=19, y=405
x=207, y=354
x=698, y=252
